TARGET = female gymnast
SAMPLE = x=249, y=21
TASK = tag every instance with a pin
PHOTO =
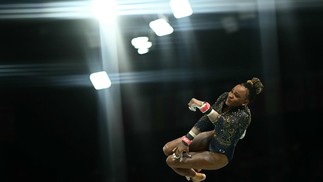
x=211, y=142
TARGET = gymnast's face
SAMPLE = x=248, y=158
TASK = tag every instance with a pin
x=237, y=96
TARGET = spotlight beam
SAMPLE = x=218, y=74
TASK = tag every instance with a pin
x=82, y=9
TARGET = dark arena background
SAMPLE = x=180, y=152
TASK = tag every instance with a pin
x=56, y=127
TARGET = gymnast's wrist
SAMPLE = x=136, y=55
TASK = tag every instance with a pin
x=187, y=139
x=205, y=107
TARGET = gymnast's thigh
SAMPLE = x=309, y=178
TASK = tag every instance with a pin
x=200, y=160
x=201, y=141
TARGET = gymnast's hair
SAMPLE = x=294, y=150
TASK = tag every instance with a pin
x=254, y=86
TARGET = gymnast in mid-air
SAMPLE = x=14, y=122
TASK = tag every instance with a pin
x=211, y=142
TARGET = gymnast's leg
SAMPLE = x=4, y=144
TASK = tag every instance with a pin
x=201, y=158
x=200, y=143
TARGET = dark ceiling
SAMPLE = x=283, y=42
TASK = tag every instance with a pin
x=54, y=126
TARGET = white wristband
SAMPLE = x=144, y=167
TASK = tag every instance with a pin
x=192, y=133
x=211, y=112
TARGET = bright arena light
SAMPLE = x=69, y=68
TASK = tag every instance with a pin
x=104, y=10
x=138, y=41
x=161, y=27
x=181, y=8
x=100, y=80
x=142, y=44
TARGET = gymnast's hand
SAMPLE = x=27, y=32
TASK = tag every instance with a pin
x=193, y=103
x=181, y=152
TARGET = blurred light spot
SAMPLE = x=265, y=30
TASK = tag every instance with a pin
x=161, y=27
x=104, y=10
x=100, y=80
x=142, y=44
x=230, y=24
x=181, y=8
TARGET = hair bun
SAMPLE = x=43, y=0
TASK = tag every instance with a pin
x=256, y=83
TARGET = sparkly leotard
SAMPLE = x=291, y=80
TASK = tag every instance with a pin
x=229, y=127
